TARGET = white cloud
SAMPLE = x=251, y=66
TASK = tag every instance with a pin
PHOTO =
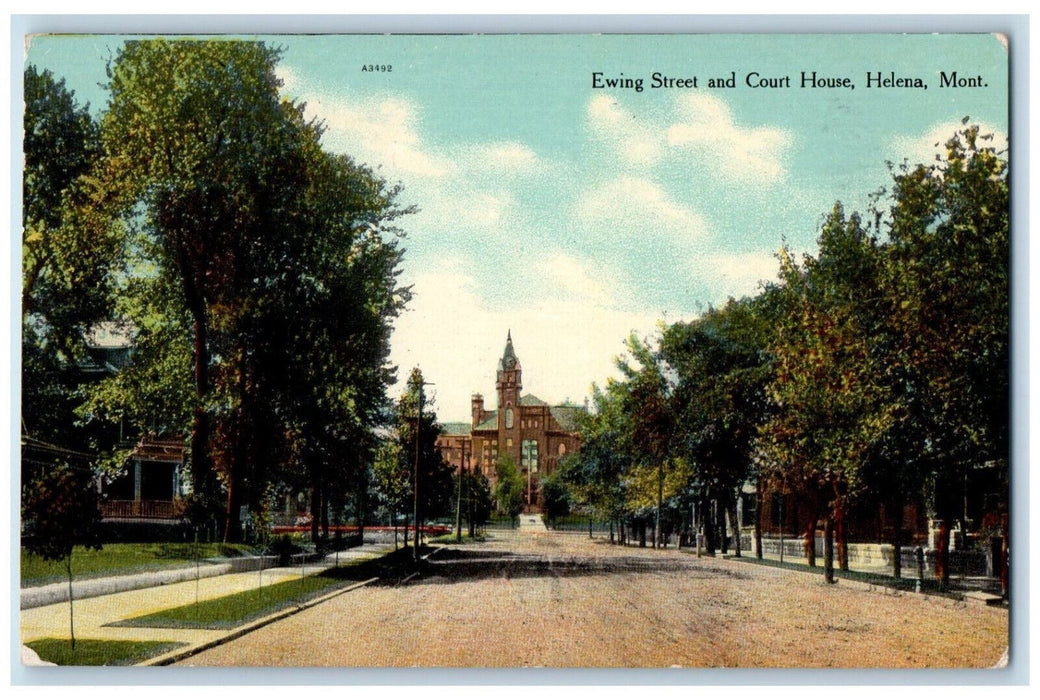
x=578, y=280
x=923, y=148
x=503, y=158
x=638, y=206
x=380, y=131
x=736, y=274
x=564, y=344
x=636, y=139
x=706, y=128
x=700, y=126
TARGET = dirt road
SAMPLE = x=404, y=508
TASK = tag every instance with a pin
x=563, y=601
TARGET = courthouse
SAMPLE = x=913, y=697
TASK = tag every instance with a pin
x=535, y=434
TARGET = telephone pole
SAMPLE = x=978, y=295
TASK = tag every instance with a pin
x=417, y=380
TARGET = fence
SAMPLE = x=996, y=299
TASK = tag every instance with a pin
x=879, y=557
x=159, y=510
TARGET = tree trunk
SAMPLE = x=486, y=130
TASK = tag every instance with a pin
x=897, y=542
x=828, y=548
x=720, y=523
x=660, y=499
x=1005, y=546
x=843, y=546
x=72, y=628
x=203, y=483
x=942, y=556
x=758, y=518
x=708, y=524
x=315, y=507
x=810, y=540
x=735, y=527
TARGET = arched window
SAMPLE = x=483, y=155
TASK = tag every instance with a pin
x=509, y=418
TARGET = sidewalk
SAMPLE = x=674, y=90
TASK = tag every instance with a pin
x=139, y=595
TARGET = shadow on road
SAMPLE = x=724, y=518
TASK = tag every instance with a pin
x=453, y=566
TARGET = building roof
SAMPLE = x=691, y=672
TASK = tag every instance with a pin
x=489, y=423
x=455, y=428
x=567, y=416
x=509, y=359
x=531, y=400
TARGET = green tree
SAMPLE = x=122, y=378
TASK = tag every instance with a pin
x=59, y=514
x=68, y=257
x=596, y=475
x=832, y=405
x=199, y=146
x=947, y=288
x=285, y=261
x=509, y=488
x=392, y=480
x=556, y=496
x=478, y=503
x=720, y=367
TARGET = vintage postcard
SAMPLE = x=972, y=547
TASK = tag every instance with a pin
x=516, y=350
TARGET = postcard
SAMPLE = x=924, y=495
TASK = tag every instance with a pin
x=510, y=351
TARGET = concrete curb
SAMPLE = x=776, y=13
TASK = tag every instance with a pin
x=52, y=593
x=181, y=654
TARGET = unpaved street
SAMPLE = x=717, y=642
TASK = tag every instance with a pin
x=562, y=601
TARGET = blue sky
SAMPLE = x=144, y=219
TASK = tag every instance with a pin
x=574, y=215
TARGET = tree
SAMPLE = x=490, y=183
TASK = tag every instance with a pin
x=198, y=141
x=509, y=488
x=721, y=366
x=556, y=497
x=596, y=475
x=478, y=503
x=284, y=258
x=947, y=289
x=65, y=262
x=392, y=480
x=60, y=513
x=646, y=399
x=68, y=257
x=832, y=406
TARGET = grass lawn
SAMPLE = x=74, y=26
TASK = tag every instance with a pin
x=120, y=558
x=236, y=609
x=98, y=652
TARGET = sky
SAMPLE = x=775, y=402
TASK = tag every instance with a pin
x=572, y=215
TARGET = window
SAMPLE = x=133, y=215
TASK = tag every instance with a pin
x=529, y=455
x=509, y=418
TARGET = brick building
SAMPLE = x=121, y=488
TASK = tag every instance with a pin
x=534, y=433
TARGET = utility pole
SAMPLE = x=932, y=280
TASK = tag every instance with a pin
x=458, y=505
x=419, y=384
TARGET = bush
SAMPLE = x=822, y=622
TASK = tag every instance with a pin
x=283, y=547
